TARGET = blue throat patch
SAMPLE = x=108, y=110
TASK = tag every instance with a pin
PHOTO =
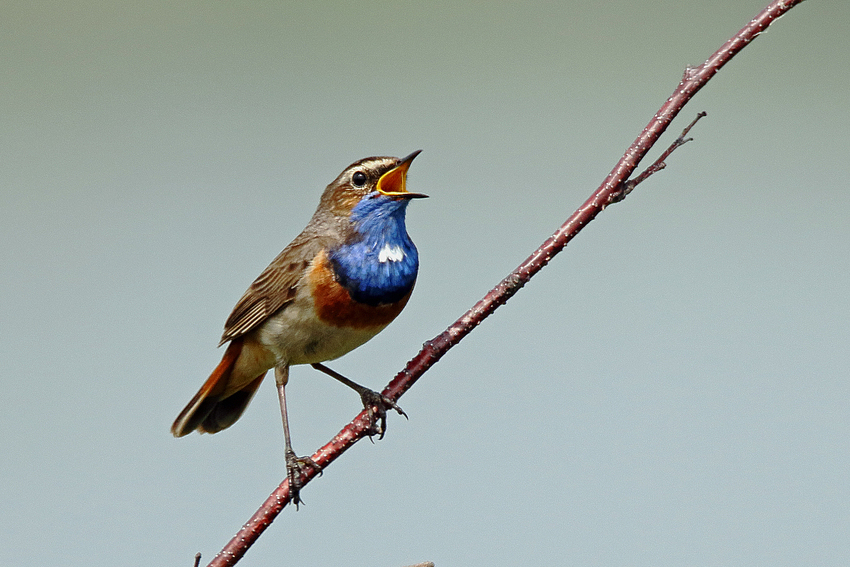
x=380, y=263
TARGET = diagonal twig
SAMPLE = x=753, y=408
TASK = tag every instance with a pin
x=613, y=189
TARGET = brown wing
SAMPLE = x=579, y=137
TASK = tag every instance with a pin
x=273, y=289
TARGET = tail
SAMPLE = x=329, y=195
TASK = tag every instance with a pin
x=210, y=411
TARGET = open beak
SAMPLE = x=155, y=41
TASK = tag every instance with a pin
x=392, y=183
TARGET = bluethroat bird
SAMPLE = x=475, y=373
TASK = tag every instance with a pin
x=341, y=281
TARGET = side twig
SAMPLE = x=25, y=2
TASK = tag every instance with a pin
x=613, y=189
x=658, y=164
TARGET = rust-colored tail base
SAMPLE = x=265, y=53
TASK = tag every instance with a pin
x=209, y=411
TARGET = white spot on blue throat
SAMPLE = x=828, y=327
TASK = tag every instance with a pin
x=390, y=254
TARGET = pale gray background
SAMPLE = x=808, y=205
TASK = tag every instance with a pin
x=672, y=390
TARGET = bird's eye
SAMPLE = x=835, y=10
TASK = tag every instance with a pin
x=359, y=179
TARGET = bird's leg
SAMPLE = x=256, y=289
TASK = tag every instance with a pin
x=294, y=465
x=371, y=399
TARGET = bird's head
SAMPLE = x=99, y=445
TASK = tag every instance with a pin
x=374, y=183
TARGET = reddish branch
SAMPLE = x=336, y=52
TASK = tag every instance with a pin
x=613, y=189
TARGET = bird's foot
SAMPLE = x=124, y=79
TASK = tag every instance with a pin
x=376, y=405
x=295, y=469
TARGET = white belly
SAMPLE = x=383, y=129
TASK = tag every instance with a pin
x=296, y=335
